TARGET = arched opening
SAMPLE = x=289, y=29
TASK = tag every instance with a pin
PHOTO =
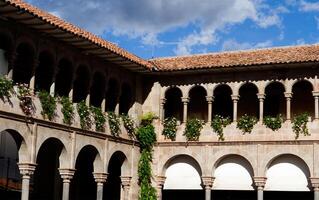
x=183, y=179
x=287, y=178
x=81, y=84
x=24, y=64
x=44, y=72
x=275, y=103
x=126, y=99
x=112, y=189
x=197, y=103
x=47, y=183
x=112, y=95
x=64, y=77
x=10, y=178
x=5, y=46
x=248, y=102
x=83, y=186
x=302, y=98
x=97, y=90
x=223, y=104
x=233, y=179
x=173, y=106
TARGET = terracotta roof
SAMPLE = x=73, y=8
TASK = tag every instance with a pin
x=280, y=55
x=78, y=32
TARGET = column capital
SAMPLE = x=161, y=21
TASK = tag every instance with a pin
x=260, y=182
x=160, y=180
x=126, y=181
x=163, y=101
x=100, y=177
x=208, y=181
x=261, y=96
x=209, y=99
x=315, y=93
x=66, y=174
x=235, y=97
x=314, y=183
x=185, y=100
x=26, y=169
x=288, y=95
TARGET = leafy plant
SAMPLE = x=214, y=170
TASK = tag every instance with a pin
x=193, y=128
x=84, y=114
x=6, y=88
x=246, y=123
x=114, y=124
x=300, y=125
x=146, y=136
x=99, y=118
x=67, y=110
x=274, y=123
x=26, y=99
x=218, y=124
x=129, y=125
x=148, y=118
x=48, y=104
x=170, y=128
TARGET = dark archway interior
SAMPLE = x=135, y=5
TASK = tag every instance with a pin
x=63, y=79
x=81, y=84
x=248, y=102
x=5, y=46
x=198, y=106
x=24, y=64
x=44, y=72
x=83, y=186
x=302, y=98
x=112, y=95
x=280, y=195
x=223, y=104
x=97, y=90
x=173, y=106
x=275, y=100
x=125, y=99
x=47, y=183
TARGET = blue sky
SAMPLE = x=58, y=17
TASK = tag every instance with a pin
x=161, y=28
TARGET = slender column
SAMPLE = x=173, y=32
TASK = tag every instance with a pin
x=160, y=183
x=103, y=105
x=66, y=175
x=126, y=183
x=210, y=100
x=100, y=179
x=26, y=170
x=32, y=80
x=235, y=99
x=315, y=186
x=208, y=184
x=288, y=97
x=316, y=96
x=261, y=98
x=162, y=109
x=260, y=184
x=185, y=101
x=11, y=62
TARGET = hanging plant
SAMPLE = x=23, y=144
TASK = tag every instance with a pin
x=193, y=129
x=84, y=114
x=274, y=123
x=114, y=124
x=48, y=104
x=218, y=124
x=129, y=125
x=170, y=128
x=99, y=118
x=67, y=110
x=148, y=118
x=246, y=123
x=146, y=136
x=300, y=125
x=6, y=88
x=26, y=99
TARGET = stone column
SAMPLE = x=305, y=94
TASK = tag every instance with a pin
x=260, y=184
x=208, y=184
x=288, y=97
x=126, y=183
x=261, y=98
x=100, y=179
x=315, y=185
x=66, y=175
x=26, y=170
x=235, y=99
x=316, y=96
x=32, y=80
x=160, y=180
x=185, y=101
x=162, y=109
x=11, y=63
x=209, y=100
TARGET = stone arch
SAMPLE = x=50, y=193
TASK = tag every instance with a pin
x=197, y=105
x=97, y=90
x=222, y=103
x=98, y=163
x=173, y=105
x=274, y=103
x=64, y=77
x=126, y=98
x=112, y=94
x=267, y=83
x=44, y=72
x=248, y=102
x=302, y=98
x=81, y=83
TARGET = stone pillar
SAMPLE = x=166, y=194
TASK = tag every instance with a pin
x=209, y=100
x=11, y=63
x=162, y=109
x=288, y=97
x=100, y=179
x=316, y=96
x=160, y=180
x=32, y=80
x=261, y=98
x=235, y=99
x=126, y=183
x=208, y=184
x=185, y=101
x=26, y=170
x=66, y=175
x=315, y=185
x=260, y=184
x=103, y=105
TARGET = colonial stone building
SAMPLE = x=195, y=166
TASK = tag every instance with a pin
x=43, y=160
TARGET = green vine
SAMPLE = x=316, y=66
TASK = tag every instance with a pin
x=48, y=104
x=6, y=89
x=170, y=128
x=246, y=123
x=274, y=123
x=99, y=118
x=114, y=124
x=26, y=99
x=84, y=114
x=129, y=125
x=148, y=118
x=193, y=129
x=300, y=125
x=218, y=124
x=67, y=110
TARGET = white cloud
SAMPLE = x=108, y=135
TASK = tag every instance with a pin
x=232, y=45
x=309, y=6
